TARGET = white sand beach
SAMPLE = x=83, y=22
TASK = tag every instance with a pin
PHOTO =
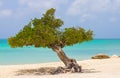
x=93, y=68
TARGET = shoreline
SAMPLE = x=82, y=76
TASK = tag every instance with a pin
x=90, y=67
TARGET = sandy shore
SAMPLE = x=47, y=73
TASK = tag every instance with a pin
x=109, y=68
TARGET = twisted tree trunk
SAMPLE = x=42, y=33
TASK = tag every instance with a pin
x=70, y=64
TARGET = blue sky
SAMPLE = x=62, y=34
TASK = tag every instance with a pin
x=101, y=16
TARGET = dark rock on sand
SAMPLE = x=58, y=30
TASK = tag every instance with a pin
x=100, y=56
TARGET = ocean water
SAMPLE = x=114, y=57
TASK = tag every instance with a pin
x=29, y=55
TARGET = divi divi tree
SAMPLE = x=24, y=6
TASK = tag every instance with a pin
x=46, y=32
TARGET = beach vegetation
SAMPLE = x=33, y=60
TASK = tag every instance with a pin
x=46, y=32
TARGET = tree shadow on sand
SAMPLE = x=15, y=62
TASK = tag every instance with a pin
x=50, y=71
x=89, y=71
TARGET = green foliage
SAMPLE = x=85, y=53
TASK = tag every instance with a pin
x=48, y=19
x=73, y=35
x=44, y=32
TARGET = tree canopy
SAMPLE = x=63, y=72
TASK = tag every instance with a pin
x=45, y=32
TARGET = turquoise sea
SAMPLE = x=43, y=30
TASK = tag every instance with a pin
x=29, y=55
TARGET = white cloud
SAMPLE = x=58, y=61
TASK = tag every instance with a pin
x=91, y=8
x=1, y=3
x=23, y=1
x=113, y=19
x=84, y=17
x=79, y=7
x=5, y=12
x=41, y=4
x=27, y=7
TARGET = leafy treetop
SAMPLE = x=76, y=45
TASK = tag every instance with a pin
x=45, y=32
